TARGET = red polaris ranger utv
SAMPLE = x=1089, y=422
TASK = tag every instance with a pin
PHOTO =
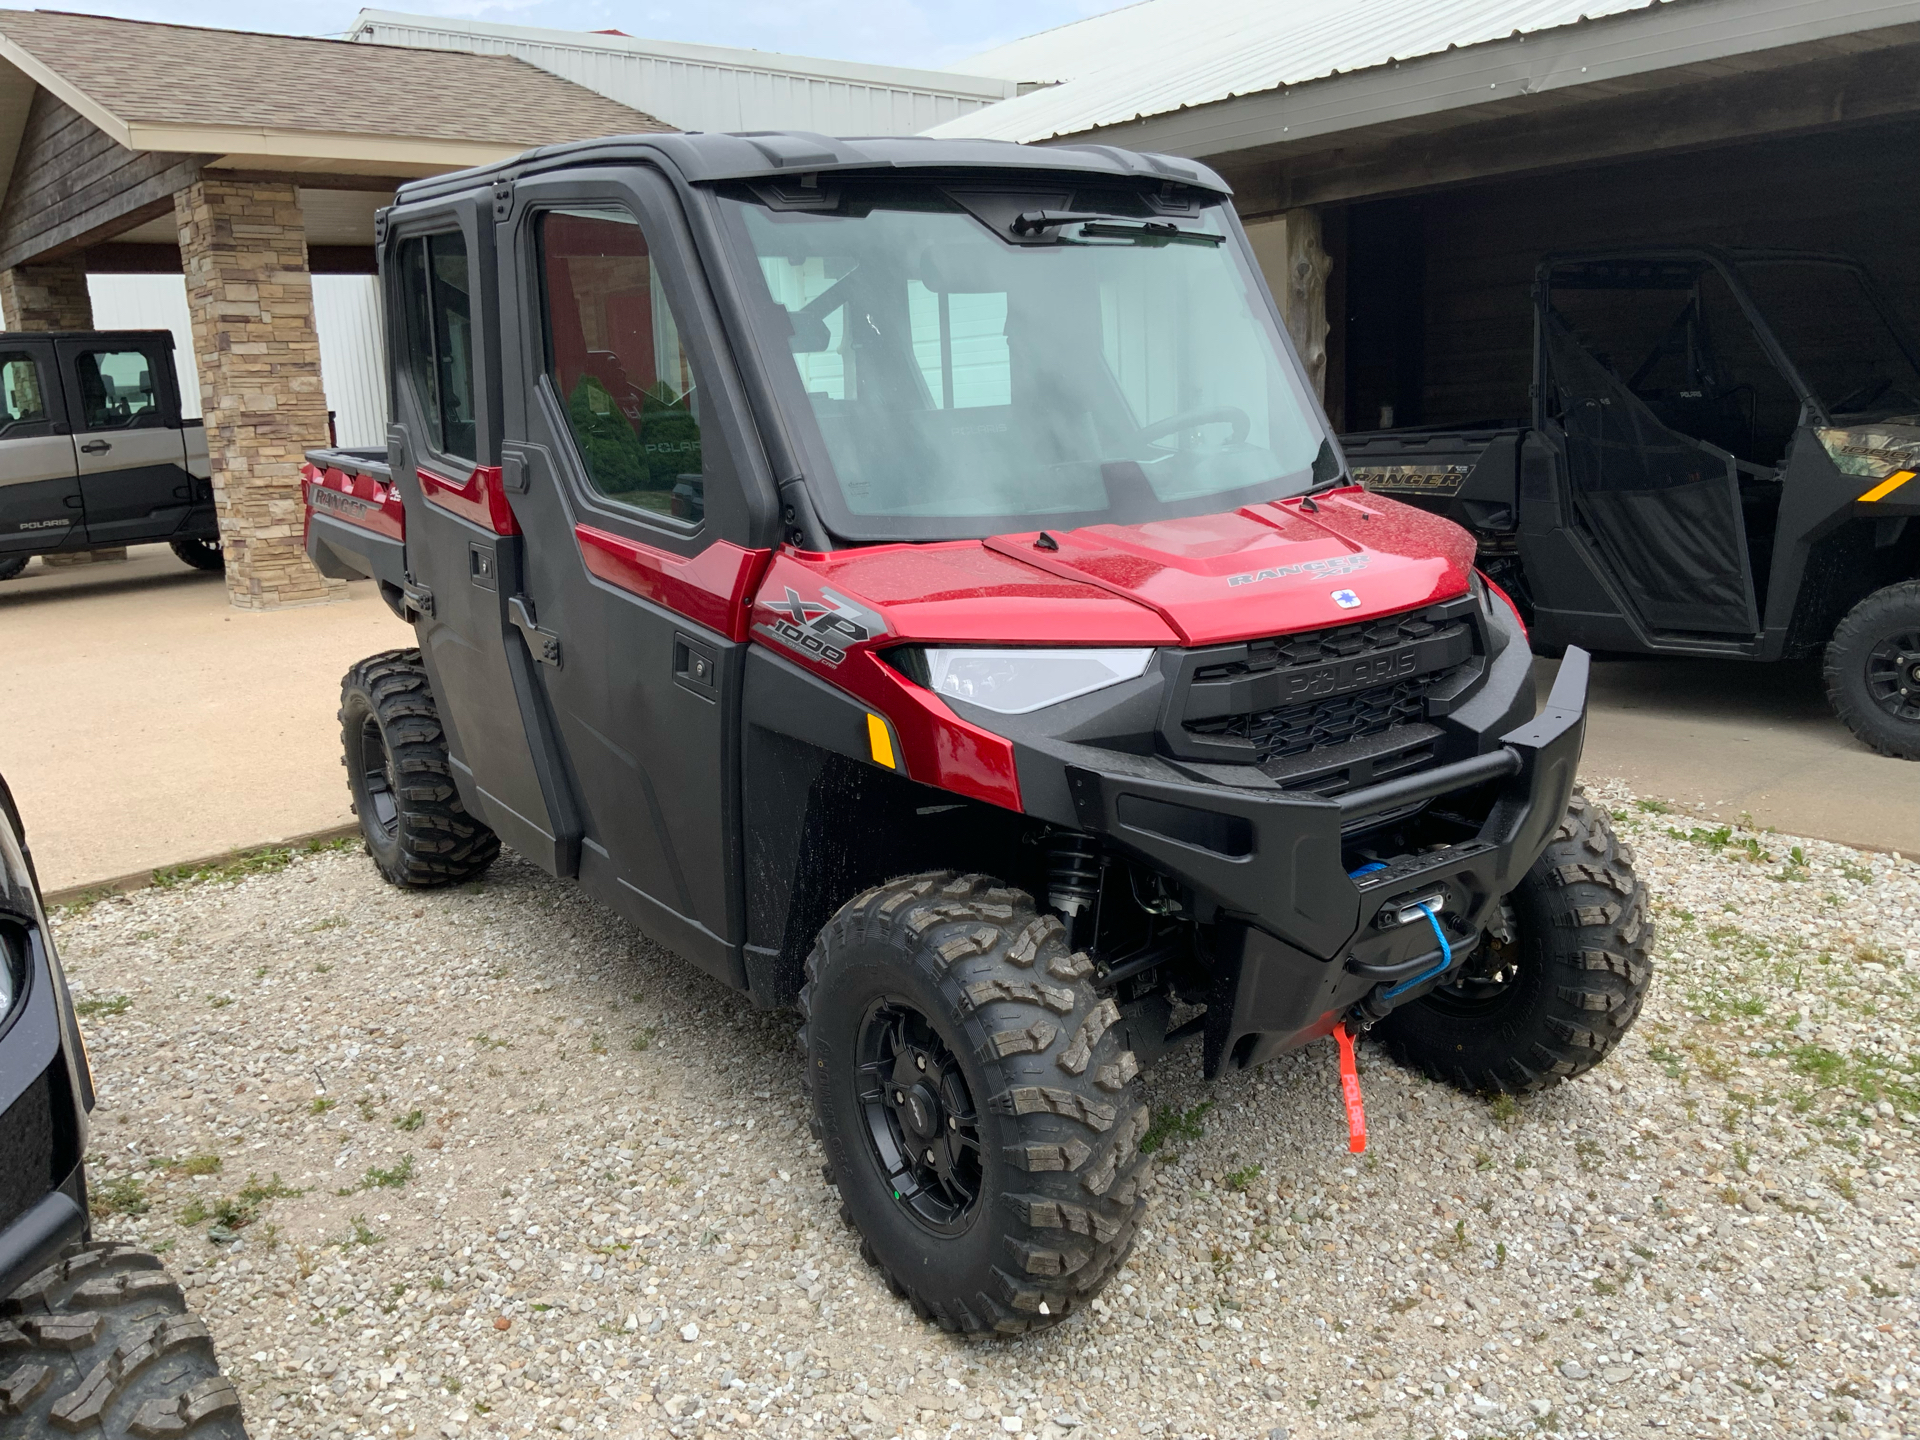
x=913, y=580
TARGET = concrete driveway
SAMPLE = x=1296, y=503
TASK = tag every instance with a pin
x=148, y=722
x=1732, y=738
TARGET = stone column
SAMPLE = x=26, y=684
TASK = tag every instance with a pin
x=1296, y=265
x=243, y=245
x=48, y=296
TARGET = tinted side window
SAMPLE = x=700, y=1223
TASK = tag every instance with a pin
x=437, y=298
x=617, y=363
x=117, y=390
x=23, y=400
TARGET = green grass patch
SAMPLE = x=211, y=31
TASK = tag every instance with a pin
x=1171, y=1124
x=102, y=1005
x=123, y=1195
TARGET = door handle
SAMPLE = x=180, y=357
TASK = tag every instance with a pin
x=96, y=447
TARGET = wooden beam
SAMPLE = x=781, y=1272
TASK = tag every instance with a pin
x=1851, y=90
x=74, y=186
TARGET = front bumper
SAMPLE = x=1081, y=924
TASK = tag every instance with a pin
x=1302, y=941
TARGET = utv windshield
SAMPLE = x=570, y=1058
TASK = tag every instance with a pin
x=1837, y=333
x=965, y=364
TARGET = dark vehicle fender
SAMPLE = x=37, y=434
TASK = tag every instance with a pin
x=1828, y=555
x=45, y=1088
x=825, y=821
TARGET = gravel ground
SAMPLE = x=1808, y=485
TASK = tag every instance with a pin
x=483, y=1163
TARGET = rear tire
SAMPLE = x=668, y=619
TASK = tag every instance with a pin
x=201, y=552
x=1873, y=671
x=99, y=1345
x=1561, y=994
x=401, y=780
x=12, y=565
x=980, y=1113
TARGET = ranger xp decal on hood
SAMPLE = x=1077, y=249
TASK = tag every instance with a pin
x=1338, y=565
x=812, y=627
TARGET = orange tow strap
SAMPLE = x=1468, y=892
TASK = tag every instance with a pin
x=1350, y=1092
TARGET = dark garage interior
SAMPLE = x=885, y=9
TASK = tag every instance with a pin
x=1430, y=308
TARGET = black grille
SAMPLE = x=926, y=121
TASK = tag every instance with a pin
x=1286, y=696
x=1277, y=734
x=1283, y=652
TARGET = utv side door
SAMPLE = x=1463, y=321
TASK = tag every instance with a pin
x=39, y=479
x=629, y=468
x=126, y=429
x=443, y=449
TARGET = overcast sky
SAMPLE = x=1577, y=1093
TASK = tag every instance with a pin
x=931, y=33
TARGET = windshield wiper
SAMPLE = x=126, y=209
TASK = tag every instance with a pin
x=1112, y=227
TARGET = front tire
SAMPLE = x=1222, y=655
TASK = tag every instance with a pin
x=1873, y=671
x=1552, y=1002
x=401, y=779
x=981, y=1117
x=99, y=1345
x=201, y=552
x=12, y=565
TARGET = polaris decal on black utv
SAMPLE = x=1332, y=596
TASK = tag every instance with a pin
x=825, y=552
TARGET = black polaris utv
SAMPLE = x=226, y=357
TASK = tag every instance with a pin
x=1717, y=464
x=913, y=580
x=95, y=1339
x=94, y=452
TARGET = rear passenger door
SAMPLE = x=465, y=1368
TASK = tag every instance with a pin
x=126, y=429
x=462, y=536
x=39, y=481
x=627, y=465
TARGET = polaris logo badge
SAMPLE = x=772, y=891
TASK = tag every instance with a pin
x=1324, y=569
x=811, y=627
x=1346, y=599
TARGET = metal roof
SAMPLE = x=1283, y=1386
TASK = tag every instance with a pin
x=1161, y=57
x=710, y=87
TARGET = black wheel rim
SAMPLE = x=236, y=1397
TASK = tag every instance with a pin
x=1893, y=675
x=921, y=1123
x=1485, y=981
x=376, y=778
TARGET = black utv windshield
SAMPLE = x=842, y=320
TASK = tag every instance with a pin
x=963, y=363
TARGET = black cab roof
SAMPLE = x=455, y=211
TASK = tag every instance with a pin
x=761, y=154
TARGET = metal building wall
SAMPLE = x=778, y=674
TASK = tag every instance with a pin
x=347, y=313
x=700, y=87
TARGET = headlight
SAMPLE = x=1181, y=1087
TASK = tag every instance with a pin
x=1014, y=682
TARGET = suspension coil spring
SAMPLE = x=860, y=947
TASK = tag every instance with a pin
x=1073, y=873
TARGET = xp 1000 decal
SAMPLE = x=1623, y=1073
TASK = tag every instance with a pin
x=819, y=628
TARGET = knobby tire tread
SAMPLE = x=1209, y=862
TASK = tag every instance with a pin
x=439, y=842
x=1076, y=1175
x=100, y=1346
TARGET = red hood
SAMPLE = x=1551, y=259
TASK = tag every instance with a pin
x=1210, y=579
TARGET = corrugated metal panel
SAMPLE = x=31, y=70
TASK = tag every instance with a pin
x=1160, y=57
x=151, y=302
x=347, y=314
x=700, y=87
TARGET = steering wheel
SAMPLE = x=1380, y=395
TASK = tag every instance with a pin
x=1193, y=419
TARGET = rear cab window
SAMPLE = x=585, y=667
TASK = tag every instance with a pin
x=436, y=295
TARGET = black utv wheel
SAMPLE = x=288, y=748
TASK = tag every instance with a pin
x=99, y=1345
x=1553, y=999
x=416, y=829
x=12, y=565
x=980, y=1116
x=202, y=552
x=1873, y=670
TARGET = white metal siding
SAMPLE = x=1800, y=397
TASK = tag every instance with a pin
x=707, y=88
x=347, y=313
